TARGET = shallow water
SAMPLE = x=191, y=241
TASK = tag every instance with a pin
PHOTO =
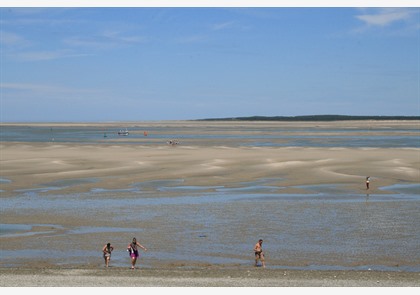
x=326, y=228
x=319, y=230
x=247, y=135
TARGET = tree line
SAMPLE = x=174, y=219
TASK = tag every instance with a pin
x=315, y=118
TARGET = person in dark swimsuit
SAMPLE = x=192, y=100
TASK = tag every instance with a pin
x=259, y=254
x=133, y=251
x=367, y=182
x=107, y=249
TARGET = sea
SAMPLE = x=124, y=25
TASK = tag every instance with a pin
x=248, y=135
x=325, y=229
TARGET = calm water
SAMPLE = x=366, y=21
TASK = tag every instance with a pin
x=319, y=230
x=250, y=135
x=328, y=228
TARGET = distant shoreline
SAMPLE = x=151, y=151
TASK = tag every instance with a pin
x=321, y=118
x=239, y=120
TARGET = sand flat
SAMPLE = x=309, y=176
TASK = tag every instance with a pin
x=201, y=164
x=31, y=165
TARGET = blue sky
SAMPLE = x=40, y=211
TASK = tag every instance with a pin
x=136, y=64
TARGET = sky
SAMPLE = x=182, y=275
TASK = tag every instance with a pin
x=184, y=63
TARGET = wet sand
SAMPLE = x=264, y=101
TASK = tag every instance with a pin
x=115, y=277
x=203, y=162
x=206, y=163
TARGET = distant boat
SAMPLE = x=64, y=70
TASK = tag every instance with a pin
x=123, y=133
x=172, y=142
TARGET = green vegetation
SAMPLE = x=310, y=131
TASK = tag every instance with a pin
x=316, y=118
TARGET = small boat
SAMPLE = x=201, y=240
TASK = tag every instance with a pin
x=172, y=142
x=123, y=133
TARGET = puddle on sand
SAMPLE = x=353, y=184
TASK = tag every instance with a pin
x=6, y=229
x=71, y=182
x=21, y=230
x=412, y=188
x=57, y=185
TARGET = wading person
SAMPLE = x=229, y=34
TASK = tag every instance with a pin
x=259, y=254
x=367, y=182
x=133, y=251
x=107, y=249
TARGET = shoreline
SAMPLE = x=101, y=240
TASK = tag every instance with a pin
x=204, y=277
x=309, y=203
x=188, y=124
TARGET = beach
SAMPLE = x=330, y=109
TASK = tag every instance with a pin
x=213, y=162
x=201, y=205
x=210, y=277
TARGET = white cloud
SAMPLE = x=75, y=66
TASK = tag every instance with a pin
x=221, y=26
x=89, y=43
x=104, y=41
x=21, y=86
x=119, y=37
x=11, y=39
x=385, y=17
x=43, y=88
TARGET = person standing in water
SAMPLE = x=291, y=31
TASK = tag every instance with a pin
x=133, y=251
x=107, y=249
x=367, y=182
x=259, y=254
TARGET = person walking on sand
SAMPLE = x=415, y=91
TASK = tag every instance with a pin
x=367, y=182
x=133, y=251
x=107, y=249
x=259, y=254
